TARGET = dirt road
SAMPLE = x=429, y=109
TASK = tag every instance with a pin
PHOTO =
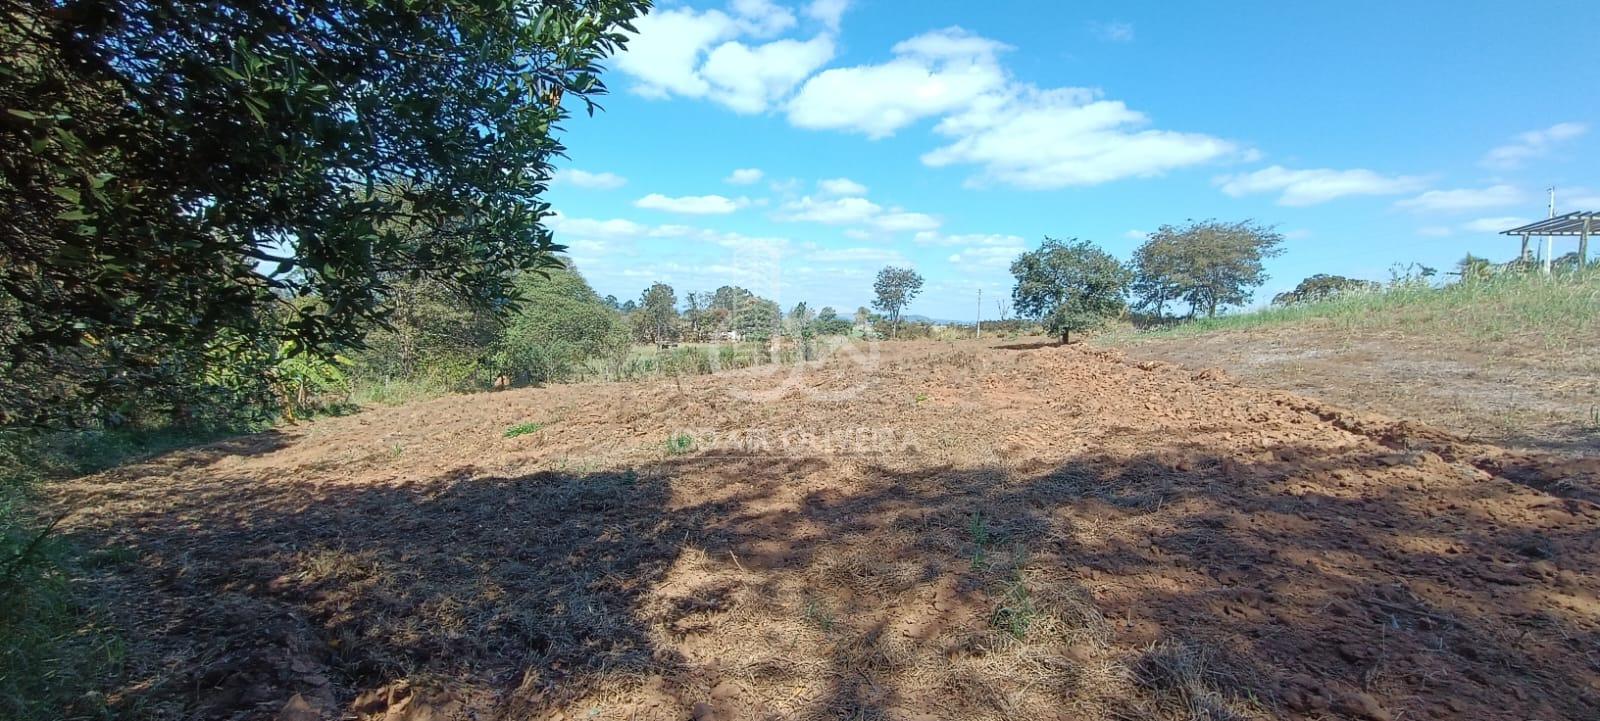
x=935, y=532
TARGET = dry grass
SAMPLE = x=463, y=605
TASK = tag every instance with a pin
x=1052, y=533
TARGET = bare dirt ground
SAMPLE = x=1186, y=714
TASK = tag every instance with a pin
x=1523, y=396
x=956, y=531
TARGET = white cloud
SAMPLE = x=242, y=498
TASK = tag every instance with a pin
x=1115, y=31
x=1016, y=133
x=586, y=179
x=1445, y=201
x=827, y=12
x=1056, y=138
x=591, y=229
x=841, y=186
x=932, y=74
x=1435, y=231
x=1136, y=234
x=899, y=220
x=694, y=54
x=744, y=176
x=988, y=251
x=1310, y=187
x=692, y=204
x=855, y=210
x=762, y=18
x=1297, y=234
x=1493, y=225
x=831, y=211
x=748, y=79
x=1532, y=144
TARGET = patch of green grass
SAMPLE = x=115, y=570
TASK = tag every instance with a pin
x=522, y=429
x=1015, y=613
x=978, y=529
x=921, y=398
x=818, y=614
x=679, y=444
x=52, y=656
x=1553, y=312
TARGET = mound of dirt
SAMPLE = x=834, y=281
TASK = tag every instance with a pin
x=935, y=531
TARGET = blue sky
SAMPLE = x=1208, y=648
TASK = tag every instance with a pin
x=796, y=148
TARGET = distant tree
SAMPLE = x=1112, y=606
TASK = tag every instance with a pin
x=1208, y=264
x=657, y=319
x=1473, y=268
x=1321, y=287
x=757, y=318
x=1069, y=286
x=828, y=322
x=612, y=302
x=893, y=291
x=628, y=307
x=1002, y=309
x=1158, y=274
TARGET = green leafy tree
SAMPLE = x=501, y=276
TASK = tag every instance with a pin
x=657, y=319
x=176, y=171
x=1069, y=286
x=1322, y=287
x=828, y=322
x=560, y=326
x=1158, y=274
x=893, y=290
x=1208, y=264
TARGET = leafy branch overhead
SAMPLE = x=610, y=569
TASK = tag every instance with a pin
x=176, y=172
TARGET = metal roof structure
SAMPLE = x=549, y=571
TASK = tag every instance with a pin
x=1580, y=223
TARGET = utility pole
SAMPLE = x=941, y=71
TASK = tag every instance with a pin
x=1549, y=242
x=980, y=313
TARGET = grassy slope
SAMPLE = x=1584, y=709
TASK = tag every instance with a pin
x=1511, y=359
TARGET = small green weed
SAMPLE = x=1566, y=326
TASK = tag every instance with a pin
x=921, y=398
x=522, y=429
x=1016, y=613
x=819, y=615
x=680, y=444
x=978, y=528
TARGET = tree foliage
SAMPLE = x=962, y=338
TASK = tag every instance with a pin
x=175, y=172
x=893, y=290
x=1069, y=286
x=1322, y=287
x=1207, y=264
x=657, y=318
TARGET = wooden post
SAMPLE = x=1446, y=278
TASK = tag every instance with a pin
x=1524, y=255
x=1583, y=245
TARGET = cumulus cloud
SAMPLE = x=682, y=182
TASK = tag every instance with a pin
x=932, y=74
x=1136, y=234
x=1463, y=199
x=827, y=12
x=841, y=186
x=831, y=211
x=1016, y=134
x=1313, y=186
x=1532, y=144
x=692, y=204
x=838, y=209
x=698, y=54
x=1043, y=139
x=744, y=176
x=586, y=179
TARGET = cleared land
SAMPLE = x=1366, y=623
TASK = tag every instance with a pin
x=1515, y=362
x=969, y=532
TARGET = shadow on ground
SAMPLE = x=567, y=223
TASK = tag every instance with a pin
x=1176, y=584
